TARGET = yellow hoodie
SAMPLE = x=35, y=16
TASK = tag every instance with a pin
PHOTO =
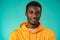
x=39, y=33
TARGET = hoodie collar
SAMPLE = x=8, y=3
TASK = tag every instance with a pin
x=38, y=29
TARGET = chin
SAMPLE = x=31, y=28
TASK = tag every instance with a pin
x=33, y=23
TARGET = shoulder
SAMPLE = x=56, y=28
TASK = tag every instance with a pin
x=16, y=31
x=48, y=30
x=13, y=32
x=49, y=33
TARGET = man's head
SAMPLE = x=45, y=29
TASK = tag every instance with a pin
x=33, y=12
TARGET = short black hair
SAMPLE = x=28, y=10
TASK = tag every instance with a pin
x=33, y=3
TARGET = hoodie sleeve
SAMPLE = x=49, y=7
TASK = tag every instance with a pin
x=13, y=36
x=52, y=36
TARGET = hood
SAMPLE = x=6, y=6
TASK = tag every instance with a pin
x=36, y=30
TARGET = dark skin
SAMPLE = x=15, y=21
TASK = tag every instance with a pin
x=33, y=16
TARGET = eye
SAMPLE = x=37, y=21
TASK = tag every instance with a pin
x=38, y=13
x=31, y=12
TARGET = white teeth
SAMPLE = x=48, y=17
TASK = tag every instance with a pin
x=33, y=19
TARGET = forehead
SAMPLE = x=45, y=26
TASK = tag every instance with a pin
x=34, y=8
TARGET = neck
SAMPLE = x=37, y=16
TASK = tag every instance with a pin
x=32, y=26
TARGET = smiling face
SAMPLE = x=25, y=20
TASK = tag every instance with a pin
x=33, y=14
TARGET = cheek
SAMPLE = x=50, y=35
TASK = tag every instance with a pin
x=38, y=17
x=29, y=16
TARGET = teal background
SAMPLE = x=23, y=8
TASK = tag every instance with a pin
x=12, y=14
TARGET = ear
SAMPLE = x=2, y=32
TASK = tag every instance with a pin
x=25, y=13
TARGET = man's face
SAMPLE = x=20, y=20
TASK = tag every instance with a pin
x=33, y=14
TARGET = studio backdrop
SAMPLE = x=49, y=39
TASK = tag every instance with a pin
x=12, y=14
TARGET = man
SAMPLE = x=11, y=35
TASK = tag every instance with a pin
x=32, y=29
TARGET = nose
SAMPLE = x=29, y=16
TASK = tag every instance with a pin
x=34, y=15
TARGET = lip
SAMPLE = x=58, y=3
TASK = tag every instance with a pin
x=33, y=20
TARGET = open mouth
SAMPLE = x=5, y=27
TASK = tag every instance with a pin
x=33, y=19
